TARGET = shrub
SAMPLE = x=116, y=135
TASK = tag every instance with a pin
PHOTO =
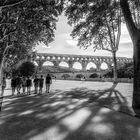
x=79, y=75
x=26, y=68
x=94, y=75
x=65, y=76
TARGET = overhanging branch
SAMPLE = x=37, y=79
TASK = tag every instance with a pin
x=12, y=4
x=1, y=40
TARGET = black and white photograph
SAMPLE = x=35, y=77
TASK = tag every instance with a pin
x=69, y=69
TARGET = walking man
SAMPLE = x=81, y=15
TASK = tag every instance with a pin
x=41, y=82
x=48, y=82
x=36, y=84
x=13, y=85
x=18, y=84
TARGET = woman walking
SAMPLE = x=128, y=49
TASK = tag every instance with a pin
x=3, y=85
x=29, y=84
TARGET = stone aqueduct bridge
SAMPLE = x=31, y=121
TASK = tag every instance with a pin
x=56, y=59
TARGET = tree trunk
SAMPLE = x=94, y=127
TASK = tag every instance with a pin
x=136, y=85
x=114, y=67
x=135, y=36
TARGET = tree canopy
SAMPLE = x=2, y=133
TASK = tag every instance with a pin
x=26, y=69
x=24, y=23
x=97, y=24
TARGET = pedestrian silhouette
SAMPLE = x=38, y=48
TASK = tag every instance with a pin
x=48, y=82
x=13, y=85
x=3, y=85
x=41, y=83
x=36, y=84
x=24, y=84
x=29, y=84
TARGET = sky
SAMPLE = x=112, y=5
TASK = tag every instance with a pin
x=64, y=44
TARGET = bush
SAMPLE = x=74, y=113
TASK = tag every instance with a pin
x=94, y=75
x=79, y=76
x=26, y=68
x=65, y=76
x=125, y=71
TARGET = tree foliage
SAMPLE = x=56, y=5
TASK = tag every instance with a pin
x=124, y=71
x=24, y=23
x=96, y=24
x=26, y=69
x=79, y=76
x=94, y=75
x=65, y=76
x=91, y=20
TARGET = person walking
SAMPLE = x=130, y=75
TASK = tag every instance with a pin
x=3, y=85
x=24, y=84
x=55, y=78
x=18, y=84
x=41, y=83
x=36, y=84
x=48, y=82
x=29, y=84
x=13, y=85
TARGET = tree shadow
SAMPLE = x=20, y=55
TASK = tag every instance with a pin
x=74, y=114
x=110, y=98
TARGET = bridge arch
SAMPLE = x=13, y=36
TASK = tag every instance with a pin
x=48, y=63
x=104, y=66
x=74, y=60
x=77, y=65
x=91, y=65
x=63, y=64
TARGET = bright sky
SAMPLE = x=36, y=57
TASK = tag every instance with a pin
x=64, y=44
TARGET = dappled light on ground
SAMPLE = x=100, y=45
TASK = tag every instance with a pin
x=75, y=114
x=75, y=120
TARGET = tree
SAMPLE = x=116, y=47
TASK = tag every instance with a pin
x=79, y=76
x=23, y=24
x=26, y=69
x=123, y=71
x=65, y=76
x=131, y=13
x=94, y=75
x=96, y=28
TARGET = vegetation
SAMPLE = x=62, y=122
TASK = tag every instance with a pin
x=131, y=14
x=79, y=76
x=26, y=69
x=94, y=75
x=97, y=24
x=23, y=24
x=125, y=71
x=65, y=76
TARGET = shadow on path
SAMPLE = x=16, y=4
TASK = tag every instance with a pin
x=68, y=115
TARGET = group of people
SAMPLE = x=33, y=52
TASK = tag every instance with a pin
x=26, y=83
